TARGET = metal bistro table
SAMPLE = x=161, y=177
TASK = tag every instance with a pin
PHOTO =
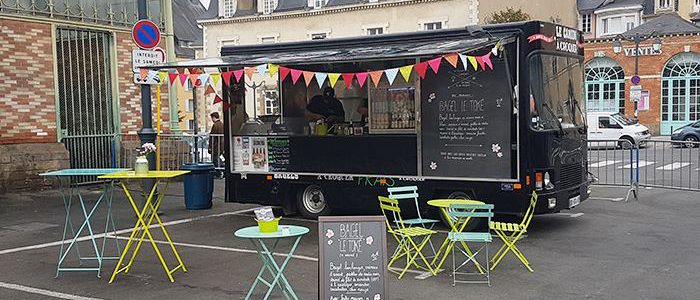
x=457, y=226
x=145, y=216
x=266, y=253
x=68, y=191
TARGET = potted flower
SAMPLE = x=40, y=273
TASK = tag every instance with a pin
x=141, y=165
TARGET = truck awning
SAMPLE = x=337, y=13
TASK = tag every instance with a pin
x=372, y=48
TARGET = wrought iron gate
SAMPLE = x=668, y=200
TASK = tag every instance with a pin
x=86, y=100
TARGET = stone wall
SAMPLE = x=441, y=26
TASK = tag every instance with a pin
x=21, y=164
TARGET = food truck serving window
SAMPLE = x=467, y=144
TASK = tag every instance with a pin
x=556, y=85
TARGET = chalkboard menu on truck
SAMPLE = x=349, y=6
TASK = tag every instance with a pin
x=278, y=154
x=466, y=122
x=352, y=258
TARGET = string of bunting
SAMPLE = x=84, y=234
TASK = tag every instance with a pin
x=212, y=81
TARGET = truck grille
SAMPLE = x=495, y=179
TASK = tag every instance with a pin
x=571, y=175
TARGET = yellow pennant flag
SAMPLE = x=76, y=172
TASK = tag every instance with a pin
x=472, y=60
x=333, y=78
x=162, y=75
x=406, y=72
x=272, y=68
x=215, y=78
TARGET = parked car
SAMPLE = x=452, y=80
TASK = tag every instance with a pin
x=613, y=129
x=689, y=134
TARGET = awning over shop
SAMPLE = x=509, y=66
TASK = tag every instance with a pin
x=372, y=48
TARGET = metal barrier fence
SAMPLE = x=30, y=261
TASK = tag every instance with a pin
x=655, y=163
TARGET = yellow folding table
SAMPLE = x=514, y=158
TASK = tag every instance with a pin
x=146, y=216
x=456, y=226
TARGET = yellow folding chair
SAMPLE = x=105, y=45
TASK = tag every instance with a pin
x=510, y=233
x=407, y=237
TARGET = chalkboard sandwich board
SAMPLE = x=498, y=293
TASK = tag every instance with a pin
x=352, y=258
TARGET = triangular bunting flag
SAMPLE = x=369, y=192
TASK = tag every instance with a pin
x=347, y=78
x=308, y=76
x=452, y=59
x=217, y=99
x=249, y=72
x=262, y=69
x=295, y=75
x=204, y=77
x=272, y=68
x=480, y=60
x=209, y=90
x=320, y=78
x=406, y=72
x=333, y=78
x=421, y=68
x=162, y=75
x=435, y=64
x=463, y=58
x=486, y=59
x=283, y=73
x=143, y=73
x=376, y=77
x=194, y=71
x=237, y=74
x=215, y=78
x=472, y=60
x=361, y=78
x=227, y=77
x=183, y=79
x=391, y=74
x=152, y=74
x=193, y=79
x=497, y=47
x=180, y=70
x=172, y=77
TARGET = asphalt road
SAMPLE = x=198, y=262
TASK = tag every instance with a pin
x=603, y=249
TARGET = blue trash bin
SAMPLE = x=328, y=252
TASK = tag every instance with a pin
x=199, y=185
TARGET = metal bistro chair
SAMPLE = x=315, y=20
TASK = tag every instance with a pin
x=466, y=211
x=510, y=233
x=411, y=192
x=411, y=239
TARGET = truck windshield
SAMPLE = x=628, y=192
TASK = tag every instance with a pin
x=556, y=85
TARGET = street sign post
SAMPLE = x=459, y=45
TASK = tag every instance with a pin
x=636, y=93
x=146, y=34
x=146, y=58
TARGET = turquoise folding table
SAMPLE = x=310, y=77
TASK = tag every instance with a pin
x=68, y=193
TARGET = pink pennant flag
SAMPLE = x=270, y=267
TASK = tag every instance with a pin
x=347, y=78
x=172, y=77
x=486, y=60
x=480, y=60
x=361, y=78
x=193, y=79
x=452, y=58
x=295, y=75
x=308, y=76
x=227, y=77
x=421, y=68
x=249, y=72
x=283, y=73
x=435, y=64
x=183, y=79
x=238, y=74
x=376, y=77
x=209, y=90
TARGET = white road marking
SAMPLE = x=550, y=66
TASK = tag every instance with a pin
x=604, y=163
x=229, y=249
x=97, y=236
x=607, y=199
x=43, y=292
x=673, y=166
x=576, y=215
x=642, y=163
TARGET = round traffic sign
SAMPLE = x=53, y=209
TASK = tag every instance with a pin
x=146, y=34
x=636, y=79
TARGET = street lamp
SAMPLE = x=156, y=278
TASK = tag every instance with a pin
x=637, y=39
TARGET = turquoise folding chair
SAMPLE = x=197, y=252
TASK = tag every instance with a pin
x=411, y=192
x=466, y=211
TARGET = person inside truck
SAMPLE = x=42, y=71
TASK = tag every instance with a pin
x=325, y=107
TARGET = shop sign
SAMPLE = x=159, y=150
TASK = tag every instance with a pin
x=643, y=104
x=643, y=51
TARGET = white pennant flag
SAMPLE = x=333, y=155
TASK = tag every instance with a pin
x=320, y=78
x=463, y=58
x=262, y=69
x=391, y=74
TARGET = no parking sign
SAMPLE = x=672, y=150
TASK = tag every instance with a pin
x=146, y=34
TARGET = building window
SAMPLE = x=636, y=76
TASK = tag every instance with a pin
x=272, y=104
x=586, y=23
x=320, y=3
x=432, y=26
x=319, y=36
x=630, y=22
x=229, y=8
x=189, y=105
x=664, y=3
x=269, y=6
x=680, y=91
x=190, y=124
x=619, y=24
x=227, y=43
x=375, y=30
x=268, y=39
x=605, y=85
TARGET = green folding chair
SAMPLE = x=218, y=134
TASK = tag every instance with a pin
x=511, y=233
x=411, y=193
x=411, y=239
x=466, y=211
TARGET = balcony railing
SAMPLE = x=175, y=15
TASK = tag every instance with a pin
x=121, y=13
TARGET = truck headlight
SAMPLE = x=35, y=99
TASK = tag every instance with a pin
x=547, y=181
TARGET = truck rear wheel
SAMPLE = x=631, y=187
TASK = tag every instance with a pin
x=473, y=223
x=311, y=202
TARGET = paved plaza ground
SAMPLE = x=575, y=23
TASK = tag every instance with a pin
x=603, y=249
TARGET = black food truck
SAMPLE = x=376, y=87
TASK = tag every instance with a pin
x=489, y=113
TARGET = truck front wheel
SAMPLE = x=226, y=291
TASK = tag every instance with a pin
x=311, y=202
